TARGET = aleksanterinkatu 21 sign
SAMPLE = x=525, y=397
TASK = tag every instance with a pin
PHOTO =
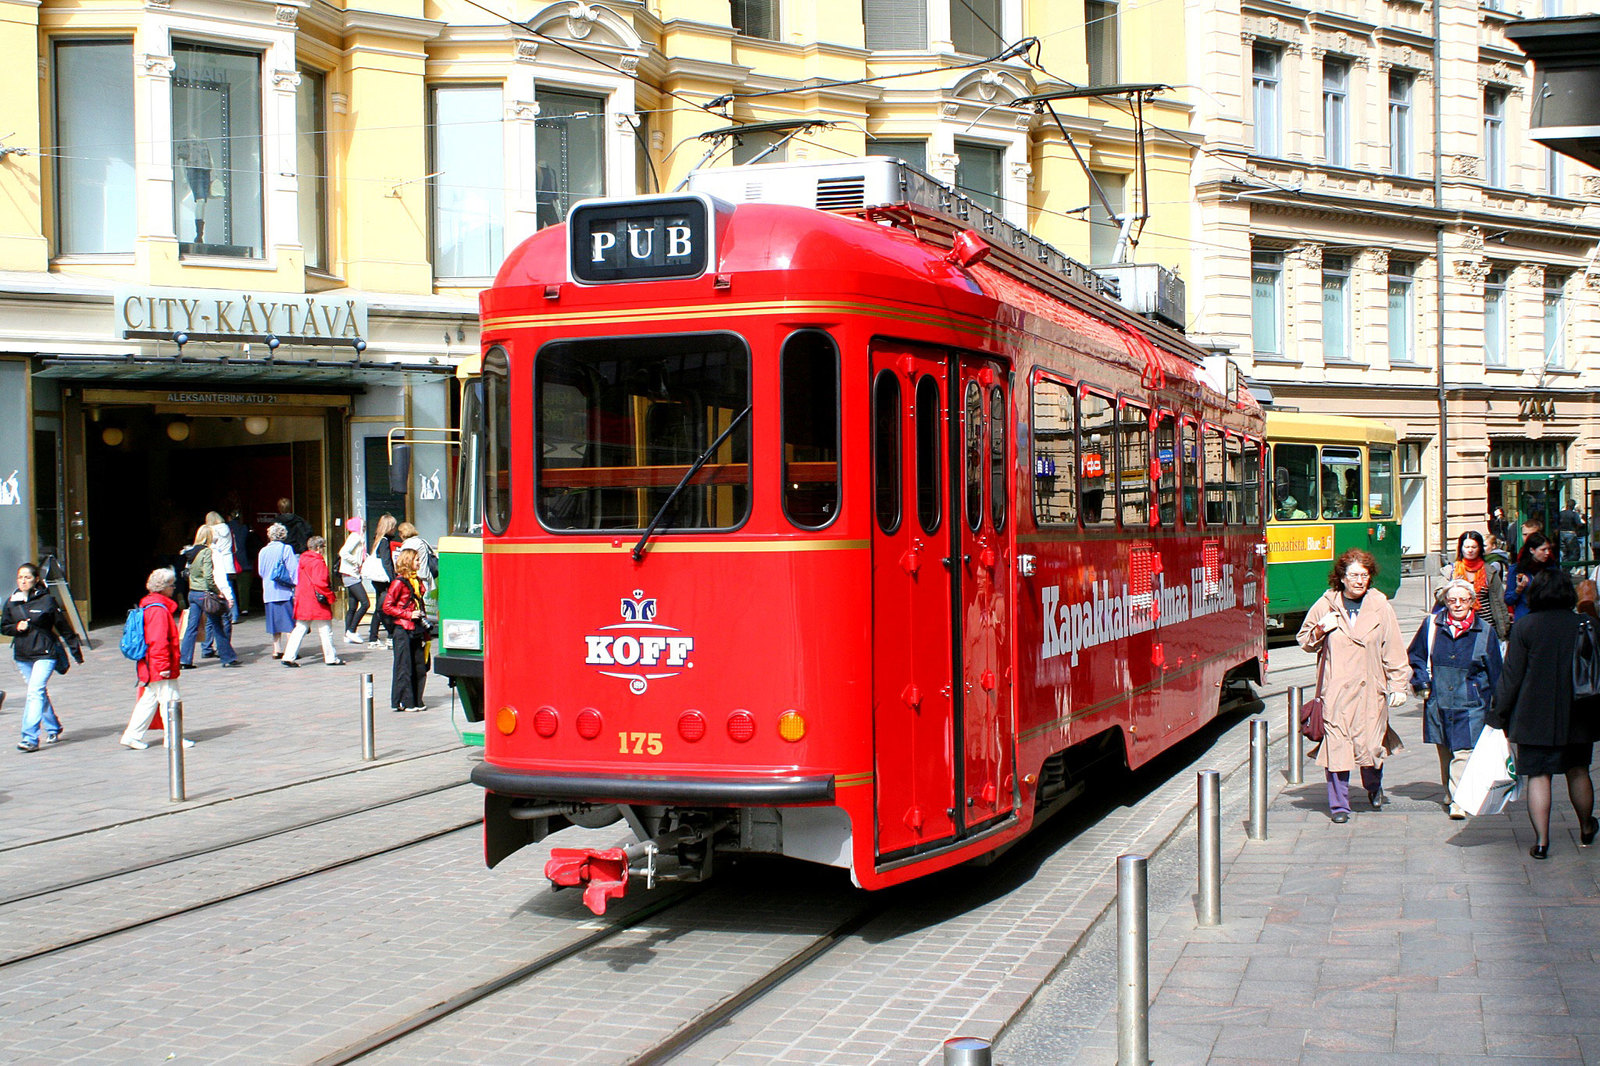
x=648, y=238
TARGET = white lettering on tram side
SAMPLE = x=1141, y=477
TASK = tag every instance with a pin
x=638, y=651
x=1110, y=613
x=679, y=243
x=634, y=234
x=600, y=243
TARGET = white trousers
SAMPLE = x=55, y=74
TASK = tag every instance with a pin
x=161, y=694
x=298, y=633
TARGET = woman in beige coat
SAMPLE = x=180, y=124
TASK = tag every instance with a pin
x=1363, y=671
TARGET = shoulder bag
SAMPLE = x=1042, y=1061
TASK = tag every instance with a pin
x=63, y=662
x=1586, y=661
x=1311, y=725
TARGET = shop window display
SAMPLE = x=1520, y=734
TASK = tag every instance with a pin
x=216, y=151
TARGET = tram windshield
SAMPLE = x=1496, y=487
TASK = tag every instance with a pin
x=619, y=421
x=467, y=519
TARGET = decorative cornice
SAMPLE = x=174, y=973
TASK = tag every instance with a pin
x=1473, y=270
x=286, y=14
x=159, y=66
x=1464, y=166
x=286, y=81
x=1307, y=254
x=524, y=51
x=522, y=110
x=1375, y=260
x=1472, y=239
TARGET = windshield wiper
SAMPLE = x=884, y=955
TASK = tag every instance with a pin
x=666, y=504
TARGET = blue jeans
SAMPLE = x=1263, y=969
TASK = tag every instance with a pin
x=37, y=673
x=218, y=629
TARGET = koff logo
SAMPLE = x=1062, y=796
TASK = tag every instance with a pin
x=644, y=649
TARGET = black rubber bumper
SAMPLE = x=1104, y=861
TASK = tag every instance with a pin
x=468, y=666
x=665, y=791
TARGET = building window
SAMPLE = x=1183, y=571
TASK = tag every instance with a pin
x=1101, y=46
x=896, y=25
x=978, y=174
x=1104, y=228
x=468, y=183
x=1555, y=173
x=1494, y=137
x=94, y=144
x=1335, y=308
x=755, y=18
x=1555, y=322
x=1400, y=129
x=569, y=145
x=1264, y=95
x=311, y=164
x=1411, y=457
x=1512, y=455
x=975, y=27
x=913, y=152
x=1266, y=302
x=1402, y=312
x=1336, y=112
x=216, y=151
x=1494, y=319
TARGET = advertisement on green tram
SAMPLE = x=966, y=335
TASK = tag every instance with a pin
x=1332, y=488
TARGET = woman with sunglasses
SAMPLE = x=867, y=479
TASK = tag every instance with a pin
x=1455, y=656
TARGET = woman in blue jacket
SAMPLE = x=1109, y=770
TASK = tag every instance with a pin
x=1456, y=657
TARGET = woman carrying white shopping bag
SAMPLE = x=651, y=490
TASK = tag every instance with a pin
x=1553, y=731
x=1455, y=656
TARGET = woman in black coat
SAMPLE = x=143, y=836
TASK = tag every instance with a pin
x=1553, y=731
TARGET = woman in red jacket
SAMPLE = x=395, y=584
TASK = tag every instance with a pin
x=402, y=604
x=313, y=605
x=158, y=670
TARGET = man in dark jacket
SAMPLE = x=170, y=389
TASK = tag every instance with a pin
x=159, y=669
x=298, y=528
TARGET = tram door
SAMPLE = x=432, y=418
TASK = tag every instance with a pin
x=913, y=701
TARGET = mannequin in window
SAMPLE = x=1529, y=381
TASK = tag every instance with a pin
x=195, y=158
x=548, y=210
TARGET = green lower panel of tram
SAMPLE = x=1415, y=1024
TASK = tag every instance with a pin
x=458, y=655
x=1300, y=555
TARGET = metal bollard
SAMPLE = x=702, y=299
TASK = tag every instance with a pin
x=1257, y=829
x=966, y=1051
x=1209, y=785
x=1133, y=961
x=369, y=746
x=174, y=724
x=1297, y=742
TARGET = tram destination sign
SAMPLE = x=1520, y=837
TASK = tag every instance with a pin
x=648, y=238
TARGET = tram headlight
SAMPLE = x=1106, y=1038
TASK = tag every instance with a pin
x=461, y=634
x=791, y=726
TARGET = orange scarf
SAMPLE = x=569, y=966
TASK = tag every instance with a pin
x=1474, y=571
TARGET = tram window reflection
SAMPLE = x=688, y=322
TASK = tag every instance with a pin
x=1167, y=482
x=997, y=456
x=886, y=450
x=1097, y=449
x=1294, y=480
x=810, y=429
x=1380, y=474
x=1251, y=511
x=1055, y=454
x=976, y=467
x=497, y=449
x=930, y=502
x=1341, y=482
x=1191, y=474
x=1216, y=484
x=1133, y=466
x=1233, y=474
x=620, y=421
x=466, y=519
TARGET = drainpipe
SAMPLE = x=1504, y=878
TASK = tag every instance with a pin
x=1438, y=255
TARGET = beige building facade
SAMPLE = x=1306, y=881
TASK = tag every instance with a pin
x=1377, y=235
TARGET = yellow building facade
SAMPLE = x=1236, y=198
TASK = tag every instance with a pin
x=241, y=242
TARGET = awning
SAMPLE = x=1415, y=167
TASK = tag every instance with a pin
x=274, y=373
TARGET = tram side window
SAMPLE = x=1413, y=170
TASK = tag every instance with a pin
x=1167, y=483
x=929, y=438
x=1380, y=493
x=1341, y=482
x=1055, y=454
x=1251, y=514
x=810, y=429
x=1294, y=482
x=1216, y=485
x=1191, y=474
x=997, y=456
x=497, y=449
x=621, y=421
x=972, y=434
x=1133, y=466
x=1097, y=428
x=886, y=450
x=1233, y=473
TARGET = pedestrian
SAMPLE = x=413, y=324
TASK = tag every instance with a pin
x=244, y=550
x=1535, y=557
x=1572, y=530
x=403, y=604
x=1495, y=552
x=427, y=558
x=298, y=528
x=1552, y=730
x=159, y=669
x=223, y=563
x=40, y=639
x=203, y=592
x=1497, y=524
x=351, y=556
x=313, y=605
x=379, y=570
x=1455, y=656
x=277, y=560
x=1362, y=672
x=1487, y=577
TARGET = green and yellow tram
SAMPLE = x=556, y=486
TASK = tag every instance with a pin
x=459, y=654
x=1332, y=488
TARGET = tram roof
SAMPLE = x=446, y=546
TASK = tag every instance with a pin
x=1327, y=429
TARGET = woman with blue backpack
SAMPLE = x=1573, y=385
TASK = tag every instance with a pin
x=151, y=638
x=277, y=565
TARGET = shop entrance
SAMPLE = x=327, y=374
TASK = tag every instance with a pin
x=151, y=473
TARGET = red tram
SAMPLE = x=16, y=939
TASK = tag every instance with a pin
x=849, y=535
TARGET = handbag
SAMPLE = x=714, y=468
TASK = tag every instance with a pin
x=282, y=576
x=372, y=569
x=1586, y=661
x=63, y=663
x=213, y=604
x=1311, y=724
